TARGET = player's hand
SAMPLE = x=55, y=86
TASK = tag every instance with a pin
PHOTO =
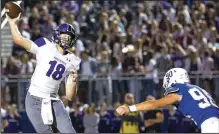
x=74, y=75
x=15, y=20
x=121, y=110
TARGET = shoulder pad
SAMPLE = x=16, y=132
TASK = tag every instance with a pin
x=171, y=90
x=40, y=42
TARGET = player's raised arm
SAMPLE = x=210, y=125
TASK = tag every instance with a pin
x=149, y=105
x=71, y=85
x=17, y=37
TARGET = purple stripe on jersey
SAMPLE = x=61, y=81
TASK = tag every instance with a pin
x=40, y=42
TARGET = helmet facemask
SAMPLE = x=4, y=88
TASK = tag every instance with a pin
x=65, y=41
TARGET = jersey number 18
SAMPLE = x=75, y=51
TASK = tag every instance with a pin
x=205, y=100
x=59, y=70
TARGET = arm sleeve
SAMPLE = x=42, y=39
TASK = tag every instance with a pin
x=34, y=48
x=36, y=44
x=76, y=62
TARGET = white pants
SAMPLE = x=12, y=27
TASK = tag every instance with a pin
x=210, y=125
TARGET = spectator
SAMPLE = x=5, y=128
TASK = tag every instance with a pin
x=87, y=69
x=71, y=6
x=132, y=122
x=151, y=76
x=79, y=47
x=163, y=59
x=54, y=10
x=48, y=25
x=36, y=32
x=81, y=19
x=193, y=62
x=114, y=72
x=141, y=16
x=3, y=83
x=116, y=120
x=34, y=18
x=11, y=70
x=105, y=119
x=23, y=32
x=102, y=44
x=198, y=5
x=77, y=118
x=170, y=12
x=153, y=119
x=104, y=25
x=91, y=120
x=216, y=65
x=165, y=25
x=71, y=20
x=103, y=85
x=205, y=29
x=178, y=32
x=117, y=47
x=178, y=55
x=174, y=118
x=26, y=65
x=207, y=68
x=129, y=66
x=199, y=41
x=26, y=68
x=13, y=120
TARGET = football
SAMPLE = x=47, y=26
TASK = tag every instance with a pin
x=12, y=9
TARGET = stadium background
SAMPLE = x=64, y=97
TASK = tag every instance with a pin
x=126, y=47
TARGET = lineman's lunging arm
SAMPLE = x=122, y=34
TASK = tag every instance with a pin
x=154, y=104
x=19, y=39
x=150, y=105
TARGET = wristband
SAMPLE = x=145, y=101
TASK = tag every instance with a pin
x=132, y=108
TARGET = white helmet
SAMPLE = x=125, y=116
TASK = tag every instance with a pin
x=175, y=75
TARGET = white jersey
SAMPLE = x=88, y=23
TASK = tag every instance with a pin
x=51, y=68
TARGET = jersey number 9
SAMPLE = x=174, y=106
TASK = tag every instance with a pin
x=202, y=96
x=59, y=70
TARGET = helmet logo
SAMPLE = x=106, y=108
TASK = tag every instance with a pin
x=168, y=76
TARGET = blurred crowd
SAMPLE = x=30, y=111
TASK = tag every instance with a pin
x=121, y=38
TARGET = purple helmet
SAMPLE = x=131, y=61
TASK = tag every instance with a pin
x=65, y=29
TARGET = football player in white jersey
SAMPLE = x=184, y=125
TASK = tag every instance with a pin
x=54, y=63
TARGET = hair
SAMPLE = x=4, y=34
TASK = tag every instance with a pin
x=150, y=53
x=114, y=61
x=92, y=109
x=206, y=53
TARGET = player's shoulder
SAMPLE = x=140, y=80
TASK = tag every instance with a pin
x=42, y=41
x=176, y=88
x=72, y=56
x=74, y=60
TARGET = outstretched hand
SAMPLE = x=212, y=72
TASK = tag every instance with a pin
x=121, y=110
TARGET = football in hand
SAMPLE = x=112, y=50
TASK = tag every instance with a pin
x=12, y=9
